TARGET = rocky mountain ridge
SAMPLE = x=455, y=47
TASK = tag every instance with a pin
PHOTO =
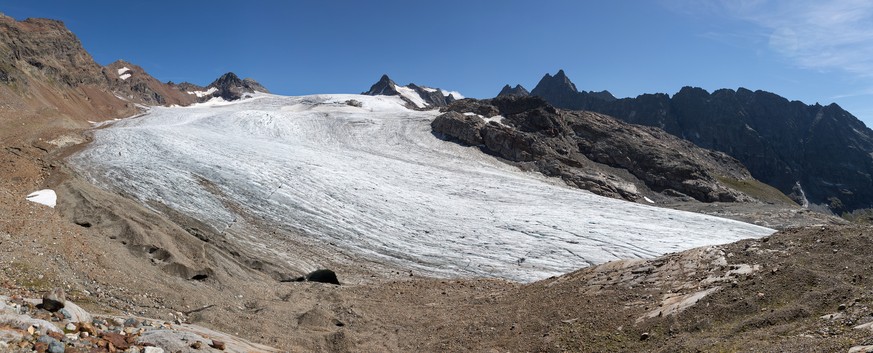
x=517, y=91
x=594, y=151
x=416, y=97
x=820, y=155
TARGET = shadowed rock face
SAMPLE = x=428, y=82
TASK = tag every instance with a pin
x=592, y=151
x=823, y=149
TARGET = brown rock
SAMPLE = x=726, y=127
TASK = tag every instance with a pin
x=87, y=327
x=40, y=347
x=116, y=340
x=56, y=335
x=219, y=345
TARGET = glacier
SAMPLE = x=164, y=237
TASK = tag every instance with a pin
x=374, y=182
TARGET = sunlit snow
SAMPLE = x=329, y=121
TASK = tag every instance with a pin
x=455, y=94
x=201, y=94
x=412, y=95
x=124, y=77
x=46, y=197
x=377, y=184
x=122, y=70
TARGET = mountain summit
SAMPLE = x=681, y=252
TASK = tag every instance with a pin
x=517, y=91
x=230, y=87
x=416, y=97
x=560, y=89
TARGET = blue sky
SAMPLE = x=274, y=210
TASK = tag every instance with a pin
x=813, y=51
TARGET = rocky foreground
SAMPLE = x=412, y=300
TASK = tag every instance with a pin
x=56, y=325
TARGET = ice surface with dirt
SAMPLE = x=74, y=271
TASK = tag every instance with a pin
x=376, y=183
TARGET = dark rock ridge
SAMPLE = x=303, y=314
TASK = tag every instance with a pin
x=559, y=91
x=230, y=87
x=593, y=151
x=517, y=91
x=814, y=153
x=432, y=97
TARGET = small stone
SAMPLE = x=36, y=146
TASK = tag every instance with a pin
x=66, y=313
x=154, y=350
x=841, y=307
x=56, y=347
x=70, y=327
x=197, y=345
x=54, y=300
x=219, y=345
x=132, y=322
x=87, y=327
x=644, y=336
x=31, y=330
x=40, y=347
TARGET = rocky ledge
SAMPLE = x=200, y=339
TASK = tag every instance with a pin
x=593, y=151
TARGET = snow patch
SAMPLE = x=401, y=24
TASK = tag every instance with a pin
x=46, y=197
x=124, y=77
x=648, y=199
x=201, y=94
x=411, y=95
x=456, y=94
x=122, y=70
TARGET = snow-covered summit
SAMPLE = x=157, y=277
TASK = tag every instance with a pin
x=417, y=97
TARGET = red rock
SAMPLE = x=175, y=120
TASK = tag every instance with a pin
x=40, y=347
x=117, y=340
x=219, y=345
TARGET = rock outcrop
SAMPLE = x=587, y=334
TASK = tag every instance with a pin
x=416, y=97
x=816, y=154
x=593, y=151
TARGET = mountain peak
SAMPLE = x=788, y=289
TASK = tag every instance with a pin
x=509, y=91
x=385, y=86
x=231, y=87
x=417, y=97
x=550, y=85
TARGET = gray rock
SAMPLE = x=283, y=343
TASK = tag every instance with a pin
x=76, y=313
x=464, y=128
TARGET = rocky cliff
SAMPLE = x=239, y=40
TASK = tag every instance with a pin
x=594, y=151
x=816, y=154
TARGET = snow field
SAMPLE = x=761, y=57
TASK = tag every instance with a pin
x=378, y=184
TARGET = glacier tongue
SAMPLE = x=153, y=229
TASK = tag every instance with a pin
x=376, y=183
